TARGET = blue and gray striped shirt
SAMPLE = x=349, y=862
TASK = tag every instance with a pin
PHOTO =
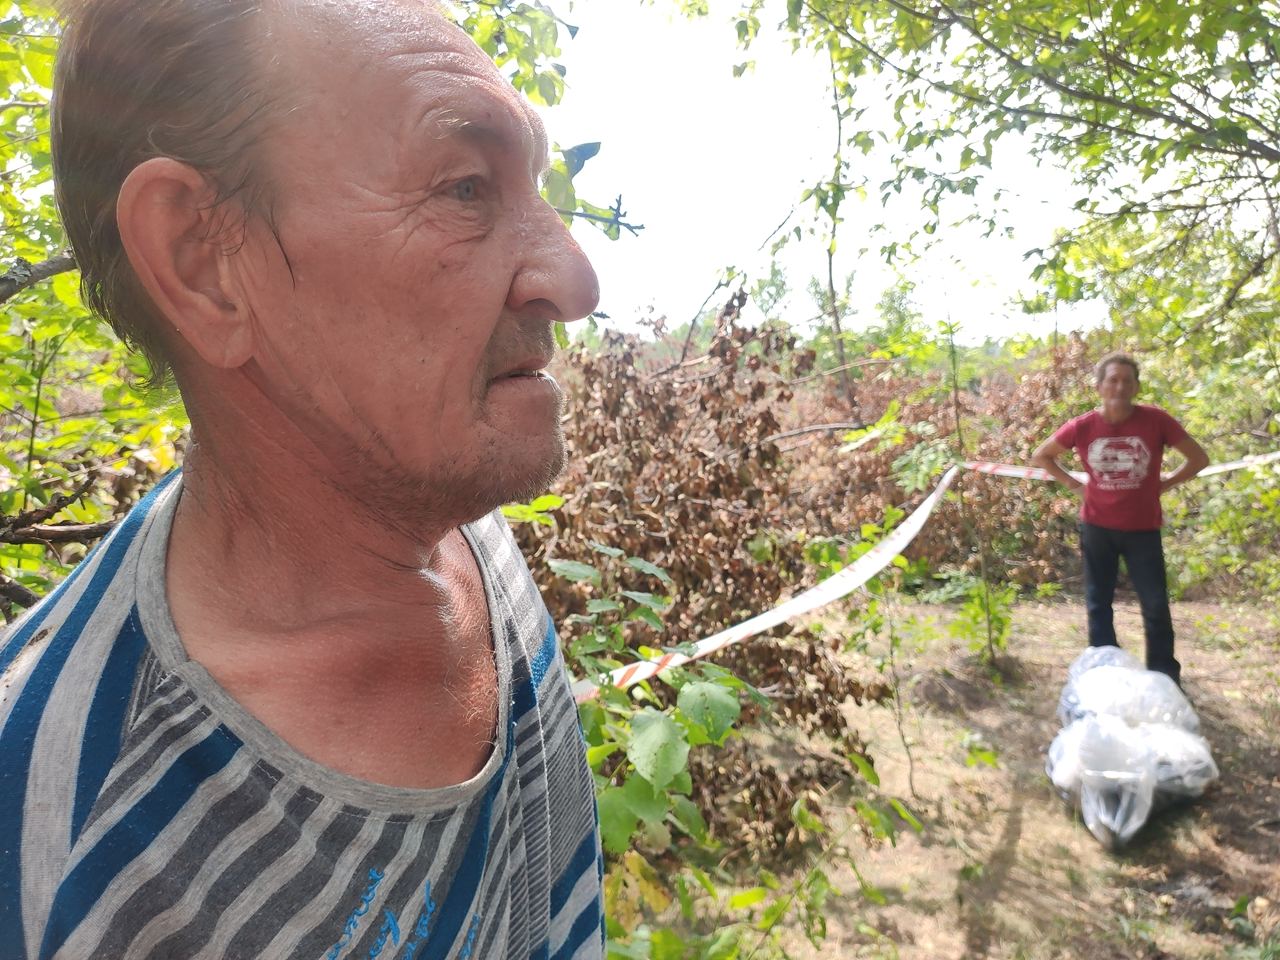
x=145, y=814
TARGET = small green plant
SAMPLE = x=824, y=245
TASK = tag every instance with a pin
x=536, y=511
x=638, y=746
x=986, y=618
x=978, y=751
x=947, y=586
x=1048, y=590
x=916, y=469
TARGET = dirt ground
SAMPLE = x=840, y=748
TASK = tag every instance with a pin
x=1002, y=868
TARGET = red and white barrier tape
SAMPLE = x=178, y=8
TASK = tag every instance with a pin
x=1013, y=470
x=1257, y=460
x=833, y=588
x=848, y=579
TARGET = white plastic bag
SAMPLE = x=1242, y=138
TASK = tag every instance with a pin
x=1131, y=693
x=1108, y=656
x=1129, y=744
x=1109, y=770
x=1184, y=763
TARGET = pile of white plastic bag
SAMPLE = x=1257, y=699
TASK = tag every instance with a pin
x=1130, y=744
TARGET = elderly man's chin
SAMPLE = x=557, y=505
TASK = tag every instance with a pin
x=530, y=475
x=512, y=469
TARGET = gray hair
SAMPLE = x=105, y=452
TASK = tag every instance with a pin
x=165, y=78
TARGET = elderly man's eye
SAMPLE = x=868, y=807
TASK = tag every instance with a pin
x=466, y=190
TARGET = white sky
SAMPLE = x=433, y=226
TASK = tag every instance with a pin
x=710, y=164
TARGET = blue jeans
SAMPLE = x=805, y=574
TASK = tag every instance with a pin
x=1144, y=559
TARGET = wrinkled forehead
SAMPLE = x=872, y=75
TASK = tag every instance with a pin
x=401, y=67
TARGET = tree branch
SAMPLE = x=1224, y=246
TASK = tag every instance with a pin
x=1250, y=148
x=28, y=104
x=43, y=513
x=1030, y=113
x=816, y=428
x=1067, y=90
x=616, y=213
x=39, y=515
x=16, y=593
x=58, y=533
x=1242, y=281
x=24, y=274
x=868, y=362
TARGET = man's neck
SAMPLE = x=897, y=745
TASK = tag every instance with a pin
x=1117, y=413
x=283, y=546
x=335, y=626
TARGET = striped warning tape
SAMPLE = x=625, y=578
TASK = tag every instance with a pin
x=1257, y=460
x=848, y=579
x=1013, y=470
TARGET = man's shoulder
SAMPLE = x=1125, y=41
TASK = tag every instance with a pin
x=502, y=566
x=86, y=587
x=493, y=539
x=1160, y=418
x=1081, y=422
x=1151, y=411
x=75, y=627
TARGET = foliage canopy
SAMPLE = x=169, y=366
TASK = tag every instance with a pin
x=1165, y=111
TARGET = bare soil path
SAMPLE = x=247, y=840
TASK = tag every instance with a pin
x=1003, y=870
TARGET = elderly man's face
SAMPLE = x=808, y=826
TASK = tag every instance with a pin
x=424, y=271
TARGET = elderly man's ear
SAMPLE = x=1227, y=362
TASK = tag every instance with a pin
x=182, y=250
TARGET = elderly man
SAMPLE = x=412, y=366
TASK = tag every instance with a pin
x=305, y=701
x=1121, y=445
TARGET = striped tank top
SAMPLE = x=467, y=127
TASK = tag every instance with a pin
x=144, y=814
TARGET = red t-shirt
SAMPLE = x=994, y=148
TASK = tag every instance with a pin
x=1123, y=463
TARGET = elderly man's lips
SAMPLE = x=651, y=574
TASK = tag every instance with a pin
x=539, y=377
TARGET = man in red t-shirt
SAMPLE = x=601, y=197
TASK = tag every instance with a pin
x=1121, y=445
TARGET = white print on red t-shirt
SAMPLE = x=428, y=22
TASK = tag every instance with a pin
x=1119, y=463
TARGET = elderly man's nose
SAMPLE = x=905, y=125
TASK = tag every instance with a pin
x=555, y=273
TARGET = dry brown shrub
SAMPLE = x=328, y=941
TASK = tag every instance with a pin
x=1025, y=527
x=677, y=468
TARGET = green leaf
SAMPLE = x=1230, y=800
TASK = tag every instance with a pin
x=548, y=501
x=658, y=747
x=746, y=899
x=705, y=882
x=603, y=606
x=557, y=190
x=644, y=566
x=605, y=549
x=524, y=513
x=865, y=768
x=685, y=896
x=574, y=571
x=773, y=913
x=712, y=706
x=907, y=816
x=879, y=824
x=805, y=818
x=689, y=817
x=649, y=600
x=643, y=800
x=597, y=755
x=681, y=783
x=617, y=822
x=649, y=617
